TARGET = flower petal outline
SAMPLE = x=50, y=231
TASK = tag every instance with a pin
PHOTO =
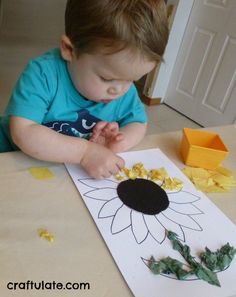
x=138, y=226
x=121, y=220
x=183, y=220
x=183, y=197
x=104, y=194
x=155, y=228
x=185, y=208
x=110, y=206
x=98, y=184
x=170, y=225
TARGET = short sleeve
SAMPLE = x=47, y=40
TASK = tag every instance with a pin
x=131, y=109
x=33, y=92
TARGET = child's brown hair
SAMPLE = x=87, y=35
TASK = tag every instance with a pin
x=116, y=24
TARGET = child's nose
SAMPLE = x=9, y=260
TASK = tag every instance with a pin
x=116, y=90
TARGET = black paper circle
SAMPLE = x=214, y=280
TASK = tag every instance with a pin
x=143, y=195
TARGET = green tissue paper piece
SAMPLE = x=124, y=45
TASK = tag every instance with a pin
x=201, y=272
x=169, y=265
x=213, y=261
x=206, y=275
x=219, y=260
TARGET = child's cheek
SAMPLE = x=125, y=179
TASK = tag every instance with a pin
x=98, y=88
x=94, y=89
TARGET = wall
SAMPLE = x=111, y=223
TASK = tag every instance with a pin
x=28, y=28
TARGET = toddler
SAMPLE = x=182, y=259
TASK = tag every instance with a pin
x=78, y=103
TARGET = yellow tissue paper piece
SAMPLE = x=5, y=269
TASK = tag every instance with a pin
x=137, y=171
x=140, y=170
x=211, y=181
x=155, y=175
x=129, y=173
x=43, y=233
x=42, y=173
x=119, y=177
x=172, y=184
x=158, y=174
x=224, y=171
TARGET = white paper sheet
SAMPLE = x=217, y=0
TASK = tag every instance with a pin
x=133, y=237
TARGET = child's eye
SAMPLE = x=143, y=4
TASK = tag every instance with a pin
x=106, y=80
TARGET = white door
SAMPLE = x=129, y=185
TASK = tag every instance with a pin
x=203, y=83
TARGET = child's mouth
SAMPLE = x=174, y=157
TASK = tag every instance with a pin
x=106, y=100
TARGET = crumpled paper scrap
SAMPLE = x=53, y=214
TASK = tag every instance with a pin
x=211, y=181
x=160, y=174
x=41, y=173
x=44, y=233
x=172, y=184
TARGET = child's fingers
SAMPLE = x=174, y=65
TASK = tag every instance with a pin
x=93, y=137
x=97, y=130
x=120, y=163
x=99, y=126
x=119, y=137
x=113, y=127
x=108, y=130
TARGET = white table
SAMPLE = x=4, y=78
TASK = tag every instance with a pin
x=78, y=253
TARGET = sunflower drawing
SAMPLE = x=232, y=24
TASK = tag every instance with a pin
x=148, y=202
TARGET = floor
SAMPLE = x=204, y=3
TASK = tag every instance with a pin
x=162, y=118
x=27, y=34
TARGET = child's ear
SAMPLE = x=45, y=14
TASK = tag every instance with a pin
x=66, y=48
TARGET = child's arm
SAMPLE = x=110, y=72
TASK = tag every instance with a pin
x=109, y=135
x=45, y=144
x=133, y=134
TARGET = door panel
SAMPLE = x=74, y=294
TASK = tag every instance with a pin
x=202, y=85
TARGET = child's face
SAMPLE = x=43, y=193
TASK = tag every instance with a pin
x=103, y=78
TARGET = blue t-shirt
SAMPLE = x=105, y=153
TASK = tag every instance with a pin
x=46, y=95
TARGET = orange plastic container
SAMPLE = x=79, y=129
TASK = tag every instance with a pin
x=202, y=149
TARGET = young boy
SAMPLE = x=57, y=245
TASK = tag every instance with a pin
x=84, y=90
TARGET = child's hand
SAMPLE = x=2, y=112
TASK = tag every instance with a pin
x=100, y=162
x=106, y=134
